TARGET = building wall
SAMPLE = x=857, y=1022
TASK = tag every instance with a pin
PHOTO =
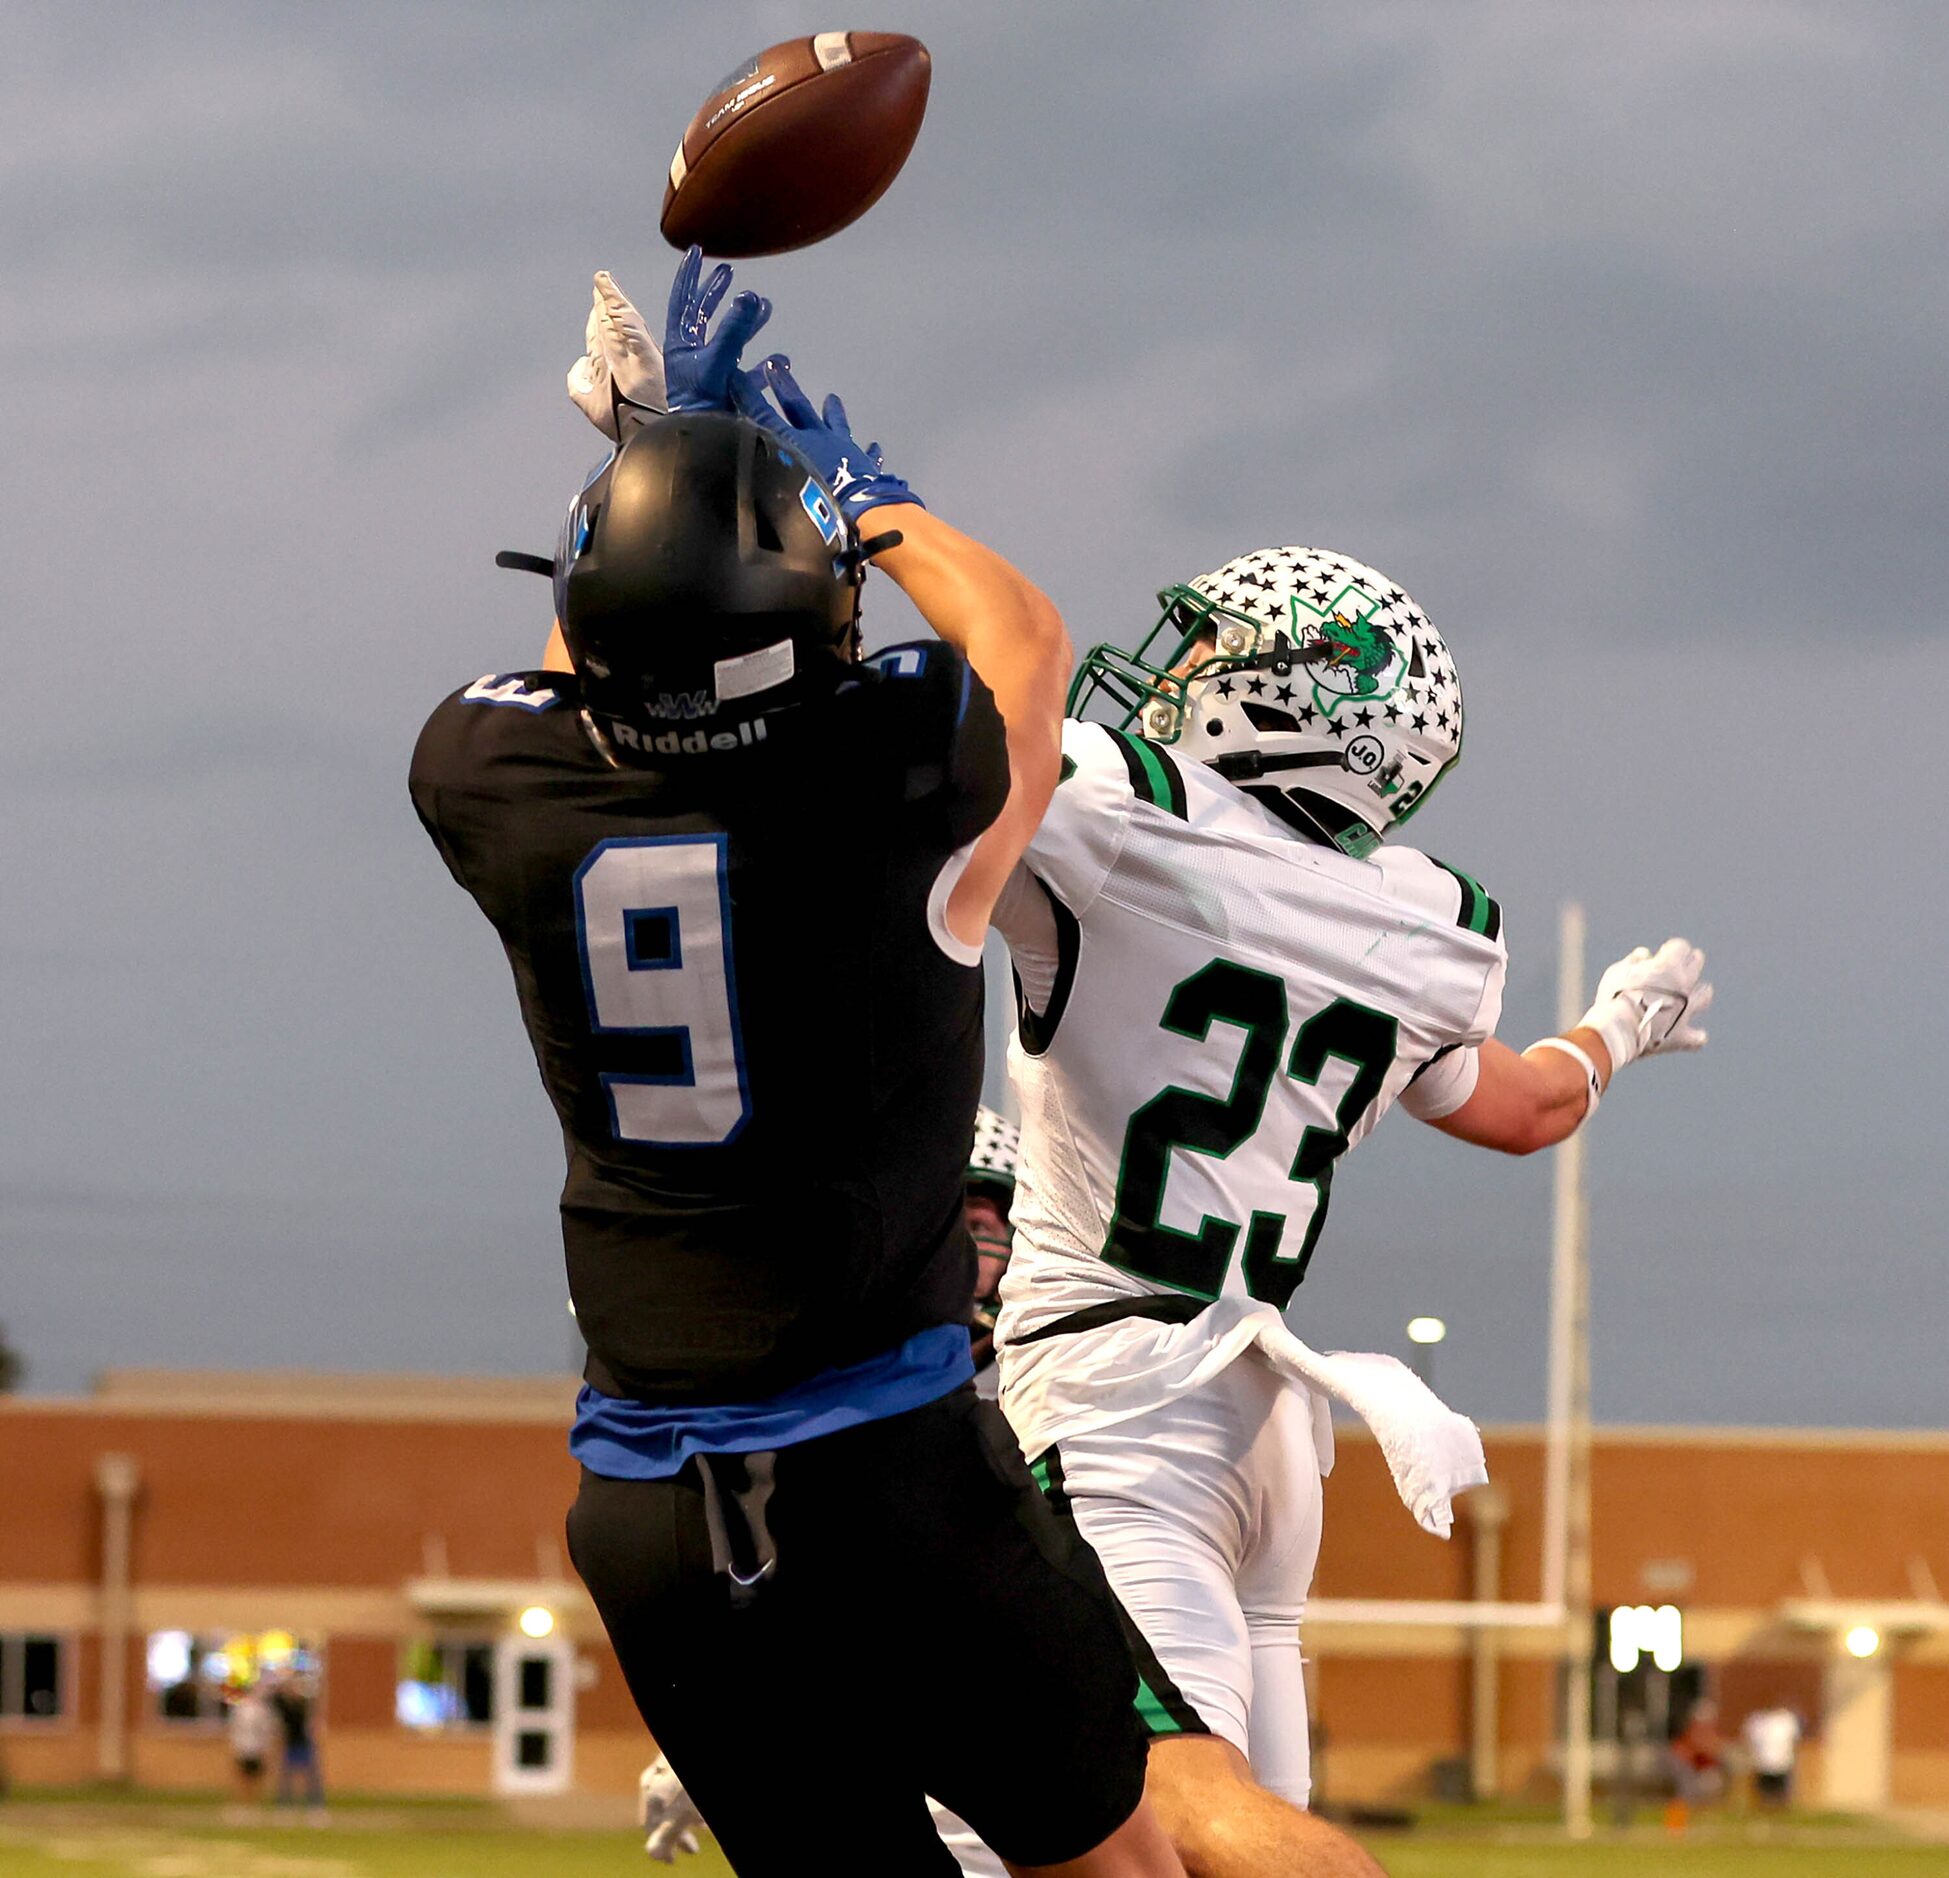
x=316, y=1504
x=1730, y=1525
x=1921, y=1771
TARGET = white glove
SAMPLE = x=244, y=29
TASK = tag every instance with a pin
x=1646, y=1003
x=663, y=1808
x=620, y=360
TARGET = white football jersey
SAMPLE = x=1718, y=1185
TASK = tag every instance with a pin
x=1214, y=1009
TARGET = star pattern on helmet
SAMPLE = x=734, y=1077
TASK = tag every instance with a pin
x=1416, y=711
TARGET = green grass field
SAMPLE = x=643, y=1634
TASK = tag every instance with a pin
x=81, y=1840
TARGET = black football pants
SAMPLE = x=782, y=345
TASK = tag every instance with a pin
x=932, y=1626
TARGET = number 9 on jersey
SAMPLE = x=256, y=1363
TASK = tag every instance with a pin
x=652, y=922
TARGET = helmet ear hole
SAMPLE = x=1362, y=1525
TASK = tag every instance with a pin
x=767, y=532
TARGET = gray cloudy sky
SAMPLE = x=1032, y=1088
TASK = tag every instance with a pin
x=1617, y=335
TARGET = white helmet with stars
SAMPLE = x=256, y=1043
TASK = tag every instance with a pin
x=997, y=1148
x=1308, y=679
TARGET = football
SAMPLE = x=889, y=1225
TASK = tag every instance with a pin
x=797, y=143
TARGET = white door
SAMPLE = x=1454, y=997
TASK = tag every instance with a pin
x=534, y=1715
x=1857, y=1732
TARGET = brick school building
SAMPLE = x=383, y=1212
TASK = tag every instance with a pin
x=392, y=1548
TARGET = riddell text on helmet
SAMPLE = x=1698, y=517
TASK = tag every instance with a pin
x=687, y=743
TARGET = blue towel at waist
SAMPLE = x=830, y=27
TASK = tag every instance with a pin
x=625, y=1440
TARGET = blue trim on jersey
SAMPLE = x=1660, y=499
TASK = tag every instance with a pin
x=624, y=1440
x=901, y=661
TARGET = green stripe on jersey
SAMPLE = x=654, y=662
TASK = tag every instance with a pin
x=1152, y=774
x=1153, y=1714
x=1479, y=913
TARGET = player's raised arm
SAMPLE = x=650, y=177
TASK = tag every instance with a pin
x=1647, y=1004
x=1006, y=627
x=624, y=376
x=1014, y=637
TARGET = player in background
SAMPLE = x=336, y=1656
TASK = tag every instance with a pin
x=742, y=879
x=1225, y=980
x=989, y=1186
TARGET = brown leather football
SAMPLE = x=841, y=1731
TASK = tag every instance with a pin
x=796, y=143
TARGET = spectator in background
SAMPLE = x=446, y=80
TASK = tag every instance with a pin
x=1772, y=1737
x=291, y=1703
x=252, y=1729
x=1698, y=1758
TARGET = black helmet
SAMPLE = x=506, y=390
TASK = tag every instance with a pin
x=704, y=580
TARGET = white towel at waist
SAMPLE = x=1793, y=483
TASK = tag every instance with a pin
x=1067, y=1384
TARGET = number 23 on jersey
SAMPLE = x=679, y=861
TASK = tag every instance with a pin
x=1233, y=1128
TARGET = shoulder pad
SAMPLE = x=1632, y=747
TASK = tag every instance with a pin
x=907, y=660
x=1153, y=771
x=527, y=691
x=917, y=695
x=1128, y=764
x=1079, y=837
x=1442, y=891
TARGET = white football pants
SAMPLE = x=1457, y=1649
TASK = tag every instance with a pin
x=1206, y=1514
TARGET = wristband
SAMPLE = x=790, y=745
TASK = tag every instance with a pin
x=1593, y=1086
x=1619, y=1020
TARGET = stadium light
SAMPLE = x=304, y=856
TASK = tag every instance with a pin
x=1862, y=1641
x=537, y=1621
x=1639, y=1630
x=1426, y=1330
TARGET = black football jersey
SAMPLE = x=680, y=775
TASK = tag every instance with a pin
x=765, y=1063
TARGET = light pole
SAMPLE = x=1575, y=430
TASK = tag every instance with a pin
x=1424, y=1333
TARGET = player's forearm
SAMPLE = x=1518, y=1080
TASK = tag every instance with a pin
x=1560, y=1086
x=1522, y=1103
x=1008, y=629
x=980, y=604
x=1012, y=635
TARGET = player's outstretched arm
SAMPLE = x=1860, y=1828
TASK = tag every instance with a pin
x=1015, y=639
x=1647, y=1004
x=1528, y=1101
x=623, y=370
x=1006, y=627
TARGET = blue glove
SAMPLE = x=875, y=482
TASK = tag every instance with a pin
x=698, y=364
x=856, y=477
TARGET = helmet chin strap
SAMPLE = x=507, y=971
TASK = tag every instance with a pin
x=850, y=559
x=1243, y=765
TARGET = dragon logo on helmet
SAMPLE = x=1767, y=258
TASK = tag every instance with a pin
x=1346, y=753
x=1348, y=657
